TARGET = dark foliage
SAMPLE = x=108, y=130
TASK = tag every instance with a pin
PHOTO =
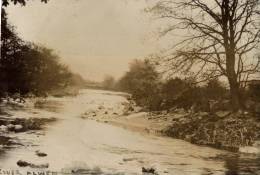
x=22, y=2
x=26, y=67
x=142, y=81
x=185, y=94
x=148, y=90
x=254, y=90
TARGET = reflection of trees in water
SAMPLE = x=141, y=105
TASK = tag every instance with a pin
x=238, y=165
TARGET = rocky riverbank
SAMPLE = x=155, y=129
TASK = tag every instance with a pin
x=223, y=129
x=10, y=126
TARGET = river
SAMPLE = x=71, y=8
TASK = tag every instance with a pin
x=73, y=143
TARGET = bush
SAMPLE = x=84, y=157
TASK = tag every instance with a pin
x=254, y=90
x=147, y=89
x=109, y=83
x=26, y=67
x=142, y=81
x=171, y=90
x=187, y=94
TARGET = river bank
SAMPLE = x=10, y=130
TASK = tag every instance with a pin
x=75, y=144
x=236, y=132
x=93, y=131
x=12, y=126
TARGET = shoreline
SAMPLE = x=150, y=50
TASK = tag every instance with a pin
x=124, y=115
x=177, y=124
x=159, y=125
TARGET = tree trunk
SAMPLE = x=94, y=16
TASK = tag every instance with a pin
x=229, y=45
x=235, y=95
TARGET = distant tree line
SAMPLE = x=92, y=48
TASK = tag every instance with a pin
x=29, y=68
x=155, y=92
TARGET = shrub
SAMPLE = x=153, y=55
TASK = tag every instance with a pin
x=142, y=81
x=254, y=90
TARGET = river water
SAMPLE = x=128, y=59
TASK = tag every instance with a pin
x=79, y=145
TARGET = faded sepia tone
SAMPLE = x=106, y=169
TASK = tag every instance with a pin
x=97, y=38
x=147, y=87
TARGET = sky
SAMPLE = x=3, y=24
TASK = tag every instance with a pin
x=94, y=37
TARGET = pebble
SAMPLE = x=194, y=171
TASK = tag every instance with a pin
x=40, y=154
x=3, y=128
x=18, y=127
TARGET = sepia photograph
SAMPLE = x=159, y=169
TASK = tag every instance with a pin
x=130, y=87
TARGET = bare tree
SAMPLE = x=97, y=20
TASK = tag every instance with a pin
x=220, y=38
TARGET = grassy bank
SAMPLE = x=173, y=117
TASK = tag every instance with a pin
x=222, y=130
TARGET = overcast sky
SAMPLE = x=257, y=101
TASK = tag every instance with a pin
x=94, y=37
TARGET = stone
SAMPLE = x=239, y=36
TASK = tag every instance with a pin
x=18, y=128
x=149, y=170
x=22, y=163
x=3, y=128
x=40, y=154
x=10, y=126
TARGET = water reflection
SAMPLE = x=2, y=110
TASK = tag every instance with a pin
x=242, y=165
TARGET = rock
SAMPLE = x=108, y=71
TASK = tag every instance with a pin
x=128, y=159
x=18, y=128
x=40, y=154
x=149, y=170
x=15, y=128
x=22, y=163
x=5, y=140
x=10, y=126
x=3, y=128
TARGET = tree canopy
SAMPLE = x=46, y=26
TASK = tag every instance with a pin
x=26, y=67
x=22, y=2
x=219, y=38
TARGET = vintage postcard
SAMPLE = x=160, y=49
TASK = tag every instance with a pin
x=130, y=87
